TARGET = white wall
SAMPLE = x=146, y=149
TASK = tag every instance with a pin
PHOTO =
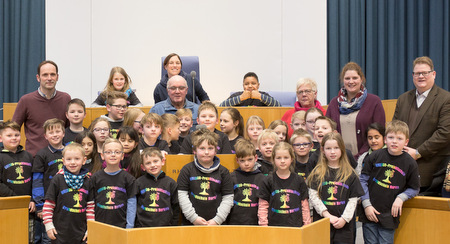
x=280, y=40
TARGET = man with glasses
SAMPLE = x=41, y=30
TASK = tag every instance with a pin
x=177, y=90
x=38, y=106
x=426, y=110
x=116, y=105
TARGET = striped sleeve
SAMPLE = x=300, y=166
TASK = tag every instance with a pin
x=231, y=101
x=269, y=101
x=47, y=214
x=90, y=211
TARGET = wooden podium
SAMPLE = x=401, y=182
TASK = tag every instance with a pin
x=424, y=220
x=317, y=232
x=14, y=219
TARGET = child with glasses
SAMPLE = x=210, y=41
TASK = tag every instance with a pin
x=113, y=189
x=100, y=128
x=116, y=104
x=302, y=143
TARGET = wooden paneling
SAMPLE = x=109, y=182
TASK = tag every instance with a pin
x=318, y=233
x=14, y=219
x=424, y=220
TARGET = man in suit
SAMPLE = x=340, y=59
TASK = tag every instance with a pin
x=426, y=110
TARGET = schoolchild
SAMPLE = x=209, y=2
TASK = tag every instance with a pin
x=375, y=138
x=205, y=189
x=209, y=117
x=232, y=124
x=100, y=127
x=113, y=189
x=186, y=123
x=334, y=189
x=118, y=81
x=247, y=180
x=298, y=120
x=280, y=128
x=283, y=197
x=157, y=196
x=67, y=204
x=116, y=105
x=310, y=119
x=15, y=168
x=266, y=141
x=75, y=113
x=389, y=178
x=152, y=127
x=323, y=126
x=132, y=118
x=253, y=128
x=46, y=163
x=302, y=143
x=171, y=132
x=131, y=162
x=93, y=160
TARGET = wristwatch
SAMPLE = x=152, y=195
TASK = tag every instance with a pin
x=418, y=154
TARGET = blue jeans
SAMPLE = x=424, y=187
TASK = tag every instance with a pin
x=40, y=235
x=375, y=234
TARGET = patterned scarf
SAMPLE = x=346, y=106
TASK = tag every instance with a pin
x=347, y=107
x=75, y=181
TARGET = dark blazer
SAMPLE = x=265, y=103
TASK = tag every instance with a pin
x=431, y=136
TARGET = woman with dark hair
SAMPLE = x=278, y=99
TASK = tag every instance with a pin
x=172, y=63
x=354, y=109
x=251, y=96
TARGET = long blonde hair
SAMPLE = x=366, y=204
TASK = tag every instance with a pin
x=321, y=170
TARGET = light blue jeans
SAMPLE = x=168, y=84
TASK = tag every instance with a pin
x=375, y=234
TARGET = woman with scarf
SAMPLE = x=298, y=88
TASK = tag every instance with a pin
x=354, y=109
x=306, y=98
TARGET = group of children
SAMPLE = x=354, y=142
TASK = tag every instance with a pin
x=112, y=172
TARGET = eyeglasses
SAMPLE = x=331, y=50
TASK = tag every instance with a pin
x=101, y=130
x=113, y=153
x=298, y=145
x=119, y=106
x=306, y=92
x=424, y=74
x=137, y=121
x=174, y=88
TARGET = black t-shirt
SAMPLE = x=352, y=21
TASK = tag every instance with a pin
x=161, y=144
x=266, y=166
x=48, y=162
x=389, y=176
x=223, y=146
x=284, y=197
x=233, y=142
x=302, y=169
x=15, y=170
x=69, y=135
x=111, y=193
x=245, y=205
x=157, y=201
x=69, y=216
x=335, y=196
x=205, y=189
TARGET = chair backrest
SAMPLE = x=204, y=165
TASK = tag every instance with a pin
x=287, y=99
x=190, y=63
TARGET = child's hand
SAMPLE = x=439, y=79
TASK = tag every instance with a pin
x=333, y=219
x=339, y=223
x=85, y=237
x=396, y=209
x=246, y=95
x=371, y=214
x=212, y=222
x=32, y=207
x=200, y=221
x=39, y=214
x=256, y=95
x=51, y=233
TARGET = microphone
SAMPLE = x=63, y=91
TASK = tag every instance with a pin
x=193, y=74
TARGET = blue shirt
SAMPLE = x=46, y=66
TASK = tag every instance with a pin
x=167, y=107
